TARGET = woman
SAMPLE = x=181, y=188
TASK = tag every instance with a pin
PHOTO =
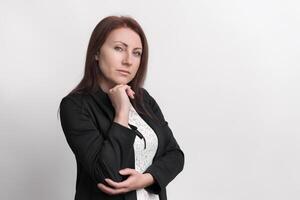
x=123, y=146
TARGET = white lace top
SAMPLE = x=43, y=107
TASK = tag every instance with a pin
x=144, y=153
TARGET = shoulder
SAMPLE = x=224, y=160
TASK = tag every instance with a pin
x=73, y=99
x=155, y=108
x=146, y=96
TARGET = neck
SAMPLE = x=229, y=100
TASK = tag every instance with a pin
x=105, y=85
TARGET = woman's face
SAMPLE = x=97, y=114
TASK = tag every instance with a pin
x=120, y=52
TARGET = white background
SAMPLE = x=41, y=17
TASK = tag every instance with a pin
x=225, y=74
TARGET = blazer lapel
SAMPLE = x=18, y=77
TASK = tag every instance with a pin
x=103, y=101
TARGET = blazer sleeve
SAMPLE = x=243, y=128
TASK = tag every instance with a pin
x=166, y=167
x=101, y=158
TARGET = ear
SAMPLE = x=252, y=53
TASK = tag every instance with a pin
x=97, y=55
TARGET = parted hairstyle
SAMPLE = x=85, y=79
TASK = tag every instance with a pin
x=92, y=72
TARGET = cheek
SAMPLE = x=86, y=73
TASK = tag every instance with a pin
x=109, y=62
x=112, y=60
x=136, y=68
x=137, y=65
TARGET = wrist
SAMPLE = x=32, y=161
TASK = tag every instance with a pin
x=149, y=180
x=123, y=120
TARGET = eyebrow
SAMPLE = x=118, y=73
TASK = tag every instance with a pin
x=126, y=45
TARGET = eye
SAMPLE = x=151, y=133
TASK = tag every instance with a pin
x=118, y=48
x=137, y=53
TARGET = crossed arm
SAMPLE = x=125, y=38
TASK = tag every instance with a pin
x=103, y=158
x=135, y=181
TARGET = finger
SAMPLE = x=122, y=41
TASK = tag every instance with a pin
x=105, y=189
x=111, y=191
x=131, y=94
x=127, y=171
x=118, y=185
x=127, y=88
x=118, y=87
x=115, y=87
x=128, y=91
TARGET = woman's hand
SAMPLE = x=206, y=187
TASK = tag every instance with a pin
x=135, y=181
x=119, y=97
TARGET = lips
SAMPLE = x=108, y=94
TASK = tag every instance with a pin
x=123, y=71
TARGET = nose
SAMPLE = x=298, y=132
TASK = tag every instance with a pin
x=127, y=59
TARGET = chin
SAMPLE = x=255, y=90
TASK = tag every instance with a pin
x=124, y=82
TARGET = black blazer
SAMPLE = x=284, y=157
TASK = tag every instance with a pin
x=102, y=147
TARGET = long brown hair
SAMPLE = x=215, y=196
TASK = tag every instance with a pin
x=92, y=73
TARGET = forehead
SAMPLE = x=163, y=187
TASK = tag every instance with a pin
x=125, y=35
